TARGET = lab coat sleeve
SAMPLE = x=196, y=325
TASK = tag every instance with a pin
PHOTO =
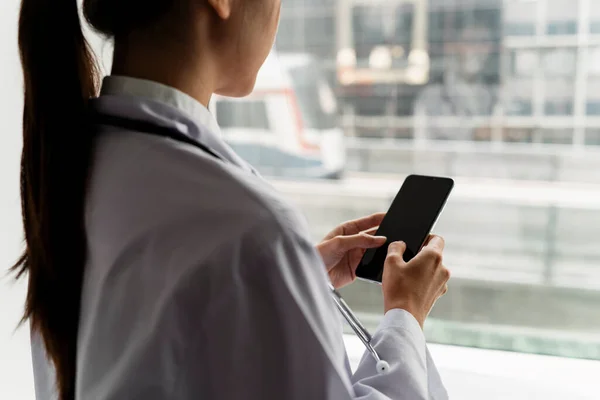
x=275, y=334
x=399, y=340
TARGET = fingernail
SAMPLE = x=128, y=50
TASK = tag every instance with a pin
x=380, y=237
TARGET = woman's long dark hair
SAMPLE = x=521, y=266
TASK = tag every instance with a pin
x=60, y=76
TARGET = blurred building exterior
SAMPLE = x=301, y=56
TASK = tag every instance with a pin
x=501, y=89
x=523, y=71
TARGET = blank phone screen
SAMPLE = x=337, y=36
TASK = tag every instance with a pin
x=410, y=219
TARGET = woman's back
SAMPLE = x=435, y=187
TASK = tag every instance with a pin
x=171, y=231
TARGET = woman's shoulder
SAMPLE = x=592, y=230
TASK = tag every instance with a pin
x=139, y=187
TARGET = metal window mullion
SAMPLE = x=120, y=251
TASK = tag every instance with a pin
x=539, y=77
x=343, y=22
x=581, y=74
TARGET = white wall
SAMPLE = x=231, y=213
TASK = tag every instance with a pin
x=16, y=380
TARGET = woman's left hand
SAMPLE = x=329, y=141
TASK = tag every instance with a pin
x=343, y=248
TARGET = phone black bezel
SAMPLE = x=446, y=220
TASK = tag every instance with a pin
x=412, y=176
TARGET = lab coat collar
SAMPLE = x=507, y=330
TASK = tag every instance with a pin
x=163, y=105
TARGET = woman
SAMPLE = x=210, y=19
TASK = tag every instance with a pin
x=160, y=265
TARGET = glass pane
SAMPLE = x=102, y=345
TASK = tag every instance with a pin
x=520, y=17
x=486, y=82
x=594, y=17
x=559, y=62
x=287, y=38
x=317, y=102
x=524, y=63
x=242, y=114
x=593, y=96
x=559, y=71
x=465, y=72
x=594, y=61
x=516, y=106
x=562, y=17
x=562, y=28
x=558, y=107
x=382, y=24
x=519, y=82
x=592, y=137
x=557, y=136
x=317, y=34
x=368, y=25
x=519, y=135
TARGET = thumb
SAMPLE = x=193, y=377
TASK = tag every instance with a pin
x=360, y=241
x=396, y=248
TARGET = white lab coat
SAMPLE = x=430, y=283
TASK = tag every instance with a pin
x=202, y=283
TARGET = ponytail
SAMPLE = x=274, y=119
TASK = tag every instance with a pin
x=60, y=76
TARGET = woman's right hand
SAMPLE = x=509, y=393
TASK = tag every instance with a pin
x=415, y=286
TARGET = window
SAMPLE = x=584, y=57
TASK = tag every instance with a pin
x=250, y=114
x=519, y=18
x=562, y=136
x=593, y=108
x=593, y=82
x=519, y=107
x=558, y=107
x=559, y=72
x=404, y=24
x=562, y=17
x=368, y=23
x=286, y=34
x=522, y=67
x=316, y=100
x=519, y=29
x=507, y=251
x=559, y=63
x=592, y=137
x=518, y=135
x=383, y=24
x=436, y=26
x=594, y=61
x=318, y=31
x=593, y=96
x=559, y=77
x=523, y=62
x=594, y=12
x=562, y=28
x=307, y=27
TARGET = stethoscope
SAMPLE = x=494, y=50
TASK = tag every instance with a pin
x=358, y=328
x=172, y=133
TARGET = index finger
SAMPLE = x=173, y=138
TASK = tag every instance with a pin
x=364, y=223
x=371, y=231
x=435, y=242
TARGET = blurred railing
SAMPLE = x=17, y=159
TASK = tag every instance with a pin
x=516, y=161
x=535, y=233
x=524, y=257
x=553, y=148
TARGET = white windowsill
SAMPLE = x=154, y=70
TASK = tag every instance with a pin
x=475, y=374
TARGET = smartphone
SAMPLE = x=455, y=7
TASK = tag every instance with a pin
x=410, y=219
